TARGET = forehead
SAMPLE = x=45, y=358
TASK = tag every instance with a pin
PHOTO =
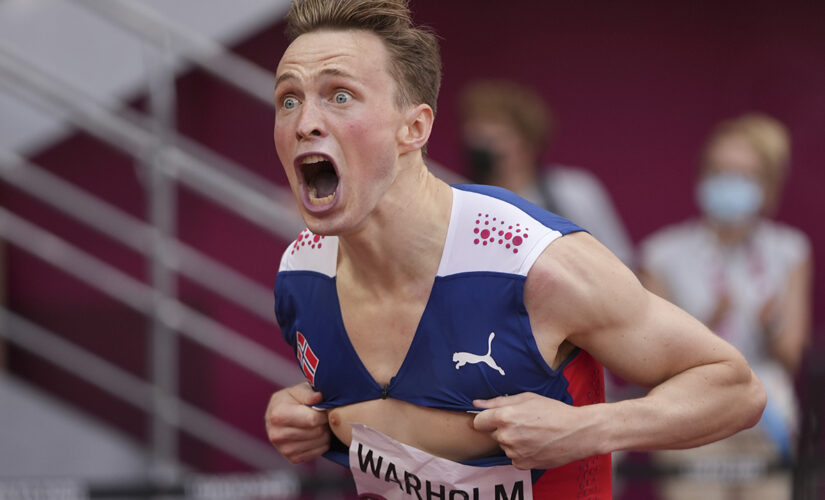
x=733, y=152
x=358, y=53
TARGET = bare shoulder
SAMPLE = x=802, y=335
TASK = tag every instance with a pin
x=578, y=284
x=578, y=292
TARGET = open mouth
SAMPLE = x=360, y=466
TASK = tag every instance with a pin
x=320, y=179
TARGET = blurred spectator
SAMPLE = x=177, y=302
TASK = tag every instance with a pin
x=3, y=347
x=506, y=127
x=749, y=279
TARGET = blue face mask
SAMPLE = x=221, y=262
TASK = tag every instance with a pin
x=729, y=198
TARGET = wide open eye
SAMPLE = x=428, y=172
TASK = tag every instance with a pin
x=290, y=103
x=342, y=97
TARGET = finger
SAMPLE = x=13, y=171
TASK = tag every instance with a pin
x=489, y=403
x=281, y=435
x=302, y=417
x=502, y=401
x=310, y=454
x=318, y=417
x=305, y=394
x=293, y=449
x=523, y=464
x=295, y=415
x=486, y=421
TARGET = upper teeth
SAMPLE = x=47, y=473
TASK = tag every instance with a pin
x=313, y=159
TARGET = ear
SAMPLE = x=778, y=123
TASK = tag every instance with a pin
x=415, y=131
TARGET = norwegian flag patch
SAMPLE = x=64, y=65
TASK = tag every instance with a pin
x=306, y=358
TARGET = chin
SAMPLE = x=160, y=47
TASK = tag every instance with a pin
x=326, y=225
x=339, y=220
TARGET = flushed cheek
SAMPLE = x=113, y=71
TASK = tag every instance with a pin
x=279, y=135
x=284, y=152
x=370, y=144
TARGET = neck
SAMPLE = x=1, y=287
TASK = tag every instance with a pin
x=401, y=242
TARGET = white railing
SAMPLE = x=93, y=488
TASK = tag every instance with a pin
x=169, y=158
x=133, y=390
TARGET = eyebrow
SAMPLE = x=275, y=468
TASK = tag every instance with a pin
x=289, y=75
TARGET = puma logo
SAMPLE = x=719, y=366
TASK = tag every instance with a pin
x=462, y=358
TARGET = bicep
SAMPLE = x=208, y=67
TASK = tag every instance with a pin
x=653, y=340
x=581, y=293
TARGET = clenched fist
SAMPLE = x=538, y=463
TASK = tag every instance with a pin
x=299, y=432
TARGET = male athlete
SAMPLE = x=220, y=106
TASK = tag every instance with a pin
x=460, y=321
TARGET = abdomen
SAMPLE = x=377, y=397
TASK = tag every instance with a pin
x=442, y=433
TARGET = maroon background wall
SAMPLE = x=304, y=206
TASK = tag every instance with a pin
x=636, y=87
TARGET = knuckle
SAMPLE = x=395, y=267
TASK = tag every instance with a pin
x=275, y=437
x=506, y=414
x=505, y=438
x=290, y=451
x=523, y=464
x=317, y=419
x=275, y=419
x=322, y=432
x=314, y=434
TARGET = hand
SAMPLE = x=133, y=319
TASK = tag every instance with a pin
x=534, y=431
x=299, y=432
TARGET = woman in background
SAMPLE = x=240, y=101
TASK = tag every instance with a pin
x=749, y=279
x=506, y=127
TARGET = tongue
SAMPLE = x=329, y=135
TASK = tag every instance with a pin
x=325, y=184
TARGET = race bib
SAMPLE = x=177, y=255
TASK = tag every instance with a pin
x=383, y=468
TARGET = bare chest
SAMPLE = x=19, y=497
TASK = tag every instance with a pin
x=381, y=330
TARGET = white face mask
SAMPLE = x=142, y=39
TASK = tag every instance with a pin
x=729, y=198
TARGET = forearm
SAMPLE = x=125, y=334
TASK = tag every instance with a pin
x=693, y=408
x=787, y=349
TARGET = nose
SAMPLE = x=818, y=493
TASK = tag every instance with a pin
x=310, y=122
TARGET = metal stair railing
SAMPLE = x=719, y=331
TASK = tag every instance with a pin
x=134, y=233
x=207, y=54
x=128, y=131
x=173, y=314
x=142, y=298
x=117, y=382
x=169, y=157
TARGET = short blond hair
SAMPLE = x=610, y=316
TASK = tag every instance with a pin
x=415, y=58
x=768, y=137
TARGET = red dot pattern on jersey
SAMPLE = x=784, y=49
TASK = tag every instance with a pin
x=508, y=238
x=306, y=238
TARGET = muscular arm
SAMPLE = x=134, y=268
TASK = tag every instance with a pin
x=702, y=388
